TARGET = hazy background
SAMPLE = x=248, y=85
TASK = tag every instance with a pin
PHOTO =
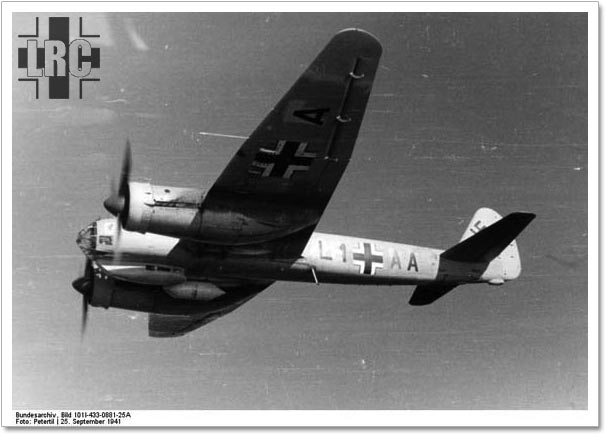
x=468, y=110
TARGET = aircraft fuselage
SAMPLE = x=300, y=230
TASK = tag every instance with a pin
x=327, y=258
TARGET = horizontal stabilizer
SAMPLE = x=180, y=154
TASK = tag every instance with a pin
x=427, y=294
x=488, y=243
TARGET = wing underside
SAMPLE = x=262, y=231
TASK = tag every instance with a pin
x=168, y=326
x=289, y=167
x=301, y=148
x=164, y=325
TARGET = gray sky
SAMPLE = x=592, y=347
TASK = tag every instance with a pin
x=468, y=110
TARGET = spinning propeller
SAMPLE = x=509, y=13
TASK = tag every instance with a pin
x=117, y=202
x=85, y=285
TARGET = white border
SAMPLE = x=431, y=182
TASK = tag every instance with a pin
x=7, y=213
x=300, y=6
x=319, y=418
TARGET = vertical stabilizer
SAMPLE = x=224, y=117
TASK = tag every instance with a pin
x=491, y=239
x=488, y=247
x=482, y=218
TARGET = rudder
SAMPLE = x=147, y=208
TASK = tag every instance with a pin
x=482, y=218
x=490, y=238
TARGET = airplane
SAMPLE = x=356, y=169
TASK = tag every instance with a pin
x=188, y=256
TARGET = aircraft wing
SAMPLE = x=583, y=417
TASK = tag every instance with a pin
x=167, y=326
x=295, y=158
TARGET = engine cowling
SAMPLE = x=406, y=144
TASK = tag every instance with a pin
x=146, y=274
x=182, y=213
x=133, y=296
x=161, y=209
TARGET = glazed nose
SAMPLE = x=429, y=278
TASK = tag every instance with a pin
x=86, y=239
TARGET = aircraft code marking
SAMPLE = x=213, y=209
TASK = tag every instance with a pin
x=478, y=227
x=324, y=255
x=315, y=116
x=395, y=260
x=344, y=250
x=282, y=162
x=412, y=262
x=368, y=259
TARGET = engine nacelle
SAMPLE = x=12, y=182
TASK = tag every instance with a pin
x=132, y=296
x=162, y=210
x=182, y=213
x=146, y=274
x=105, y=291
x=199, y=291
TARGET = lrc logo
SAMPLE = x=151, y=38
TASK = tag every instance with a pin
x=57, y=58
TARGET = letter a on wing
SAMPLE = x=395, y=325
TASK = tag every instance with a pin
x=297, y=155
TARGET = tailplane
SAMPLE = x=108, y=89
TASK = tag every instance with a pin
x=488, y=246
x=488, y=235
x=427, y=294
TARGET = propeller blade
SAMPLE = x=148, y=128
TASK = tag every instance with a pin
x=117, y=234
x=117, y=200
x=125, y=172
x=84, y=285
x=89, y=273
x=113, y=204
x=84, y=315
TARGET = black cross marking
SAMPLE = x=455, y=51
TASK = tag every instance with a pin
x=82, y=80
x=281, y=162
x=35, y=35
x=82, y=35
x=368, y=258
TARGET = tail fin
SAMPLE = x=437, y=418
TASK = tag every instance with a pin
x=489, y=239
x=485, y=239
x=481, y=219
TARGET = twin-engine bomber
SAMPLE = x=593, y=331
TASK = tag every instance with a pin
x=188, y=256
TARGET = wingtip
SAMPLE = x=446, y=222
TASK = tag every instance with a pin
x=358, y=30
x=361, y=36
x=525, y=216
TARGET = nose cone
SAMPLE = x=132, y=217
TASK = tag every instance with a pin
x=83, y=285
x=114, y=204
x=86, y=239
